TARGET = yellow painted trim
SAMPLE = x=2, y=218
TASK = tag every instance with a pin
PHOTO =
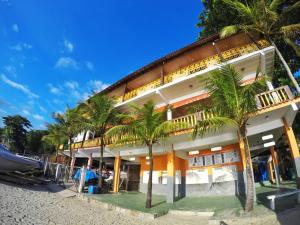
x=171, y=163
x=291, y=139
x=270, y=168
x=117, y=164
x=274, y=156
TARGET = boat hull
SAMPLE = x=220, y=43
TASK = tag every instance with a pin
x=10, y=162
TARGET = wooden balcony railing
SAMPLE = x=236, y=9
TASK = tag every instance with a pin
x=189, y=121
x=273, y=97
x=152, y=85
x=195, y=67
x=264, y=100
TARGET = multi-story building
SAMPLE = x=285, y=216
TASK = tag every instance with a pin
x=213, y=164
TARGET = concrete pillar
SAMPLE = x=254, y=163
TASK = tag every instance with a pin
x=275, y=164
x=72, y=166
x=169, y=114
x=117, y=164
x=90, y=161
x=293, y=149
x=82, y=179
x=171, y=177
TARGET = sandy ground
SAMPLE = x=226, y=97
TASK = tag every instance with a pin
x=36, y=205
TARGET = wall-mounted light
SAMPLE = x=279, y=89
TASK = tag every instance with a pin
x=294, y=106
x=194, y=152
x=269, y=144
x=219, y=148
x=132, y=159
x=147, y=157
x=267, y=137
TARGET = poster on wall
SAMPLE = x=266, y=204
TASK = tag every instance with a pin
x=225, y=173
x=232, y=156
x=192, y=162
x=155, y=177
x=200, y=161
x=197, y=176
x=208, y=160
x=218, y=158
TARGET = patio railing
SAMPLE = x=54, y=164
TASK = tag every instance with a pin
x=264, y=100
x=195, y=67
x=273, y=97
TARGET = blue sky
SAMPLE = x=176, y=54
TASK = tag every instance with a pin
x=53, y=53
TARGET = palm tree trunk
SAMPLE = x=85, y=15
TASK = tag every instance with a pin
x=56, y=153
x=286, y=66
x=149, y=189
x=70, y=159
x=100, y=182
x=249, y=175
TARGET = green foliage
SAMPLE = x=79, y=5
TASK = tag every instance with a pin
x=215, y=16
x=35, y=143
x=144, y=126
x=70, y=124
x=15, y=131
x=231, y=102
x=267, y=16
x=99, y=113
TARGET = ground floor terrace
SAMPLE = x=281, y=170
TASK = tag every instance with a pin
x=212, y=165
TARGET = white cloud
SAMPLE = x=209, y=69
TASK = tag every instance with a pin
x=21, y=46
x=19, y=86
x=38, y=117
x=15, y=28
x=66, y=62
x=69, y=46
x=57, y=101
x=25, y=112
x=97, y=85
x=42, y=109
x=2, y=111
x=55, y=90
x=72, y=84
x=11, y=70
x=89, y=65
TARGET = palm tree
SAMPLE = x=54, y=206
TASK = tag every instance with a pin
x=100, y=114
x=70, y=123
x=269, y=19
x=232, y=104
x=144, y=126
x=55, y=137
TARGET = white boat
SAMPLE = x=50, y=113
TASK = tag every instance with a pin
x=10, y=162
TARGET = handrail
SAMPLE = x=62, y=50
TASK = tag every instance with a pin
x=263, y=100
x=195, y=67
x=273, y=97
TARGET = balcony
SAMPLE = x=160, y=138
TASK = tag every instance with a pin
x=195, y=67
x=273, y=97
x=264, y=100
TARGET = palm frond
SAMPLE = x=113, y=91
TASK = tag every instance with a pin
x=213, y=124
x=243, y=10
x=293, y=45
x=292, y=30
x=229, y=30
x=274, y=5
x=291, y=8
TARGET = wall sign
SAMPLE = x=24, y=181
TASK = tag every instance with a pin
x=232, y=156
x=197, y=176
x=214, y=159
x=225, y=173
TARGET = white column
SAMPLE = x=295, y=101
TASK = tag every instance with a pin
x=169, y=114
